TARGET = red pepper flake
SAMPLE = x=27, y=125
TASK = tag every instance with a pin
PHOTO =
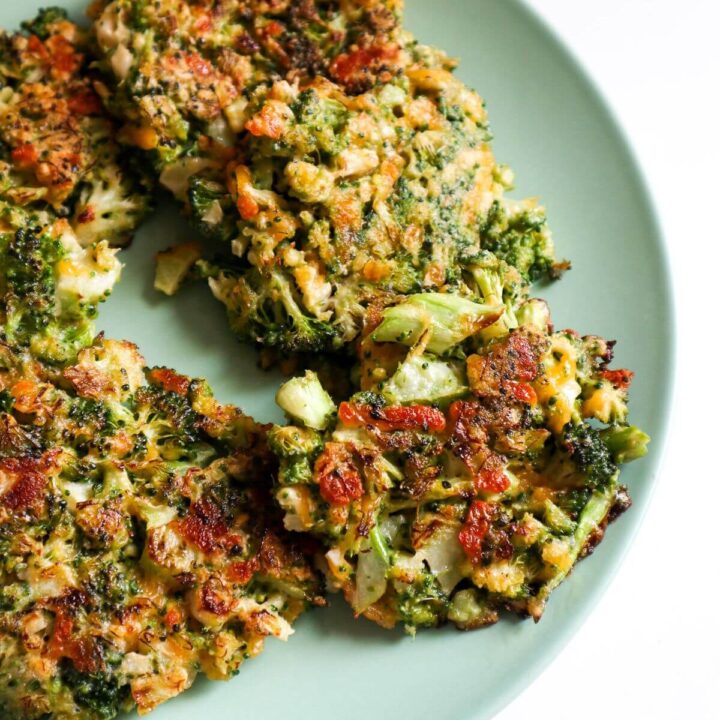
x=86, y=215
x=387, y=419
x=242, y=572
x=524, y=392
x=63, y=57
x=37, y=47
x=203, y=24
x=621, y=379
x=491, y=479
x=339, y=480
x=475, y=528
x=273, y=29
x=173, y=617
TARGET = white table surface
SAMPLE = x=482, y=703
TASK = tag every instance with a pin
x=651, y=649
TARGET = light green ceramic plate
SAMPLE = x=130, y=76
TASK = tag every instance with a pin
x=555, y=131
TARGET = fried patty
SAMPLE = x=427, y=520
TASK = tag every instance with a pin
x=139, y=546
x=459, y=483
x=341, y=162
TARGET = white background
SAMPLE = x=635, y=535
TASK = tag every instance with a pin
x=651, y=649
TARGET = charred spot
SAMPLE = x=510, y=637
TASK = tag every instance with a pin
x=205, y=526
x=169, y=380
x=622, y=503
x=247, y=45
x=30, y=482
x=185, y=580
x=305, y=55
x=212, y=600
x=72, y=600
x=87, y=215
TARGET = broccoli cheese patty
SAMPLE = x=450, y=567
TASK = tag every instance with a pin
x=337, y=184
x=470, y=474
x=138, y=545
x=58, y=146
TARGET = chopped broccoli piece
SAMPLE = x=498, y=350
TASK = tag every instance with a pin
x=264, y=309
x=534, y=314
x=41, y=24
x=423, y=379
x=450, y=319
x=99, y=691
x=591, y=519
x=110, y=206
x=211, y=209
x=304, y=399
x=518, y=234
x=499, y=284
x=422, y=603
x=588, y=451
x=469, y=610
x=625, y=443
x=49, y=288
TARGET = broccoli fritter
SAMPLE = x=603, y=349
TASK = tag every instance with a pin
x=50, y=283
x=138, y=543
x=182, y=69
x=337, y=185
x=57, y=144
x=468, y=475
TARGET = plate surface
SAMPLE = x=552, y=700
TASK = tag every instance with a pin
x=558, y=136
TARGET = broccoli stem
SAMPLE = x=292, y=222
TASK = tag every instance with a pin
x=450, y=319
x=626, y=443
x=305, y=400
x=378, y=544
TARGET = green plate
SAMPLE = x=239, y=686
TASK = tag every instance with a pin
x=558, y=135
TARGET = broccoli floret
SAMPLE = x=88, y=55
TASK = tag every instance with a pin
x=423, y=379
x=170, y=414
x=264, y=309
x=304, y=399
x=99, y=691
x=450, y=319
x=46, y=17
x=211, y=209
x=534, y=314
x=28, y=260
x=625, y=443
x=93, y=416
x=586, y=448
x=110, y=206
x=422, y=603
x=518, y=234
x=498, y=283
x=297, y=448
